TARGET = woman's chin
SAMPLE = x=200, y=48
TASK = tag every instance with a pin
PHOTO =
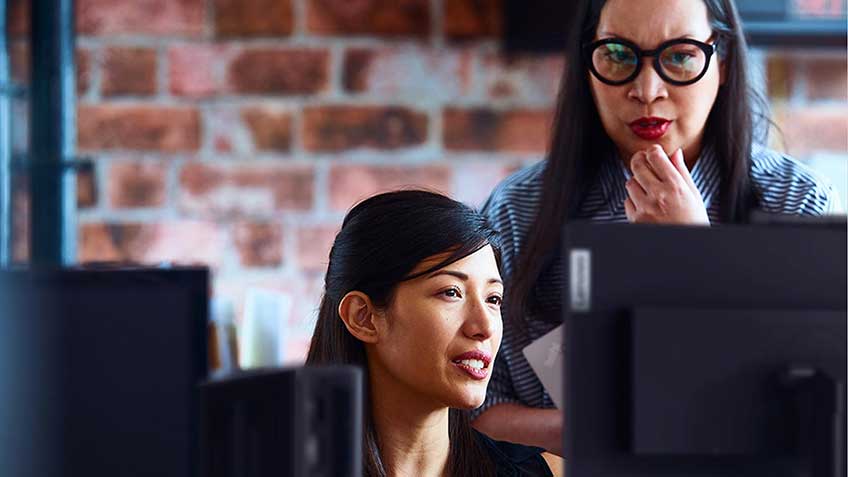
x=468, y=400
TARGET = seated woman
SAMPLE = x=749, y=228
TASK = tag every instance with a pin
x=413, y=294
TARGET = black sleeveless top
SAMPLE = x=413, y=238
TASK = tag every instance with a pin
x=514, y=460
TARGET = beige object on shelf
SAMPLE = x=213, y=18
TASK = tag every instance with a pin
x=263, y=328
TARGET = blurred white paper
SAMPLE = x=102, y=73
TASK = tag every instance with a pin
x=545, y=357
x=262, y=334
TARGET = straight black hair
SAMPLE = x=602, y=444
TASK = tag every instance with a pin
x=578, y=137
x=381, y=241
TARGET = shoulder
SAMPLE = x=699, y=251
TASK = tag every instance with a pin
x=784, y=185
x=512, y=206
x=515, y=459
x=522, y=188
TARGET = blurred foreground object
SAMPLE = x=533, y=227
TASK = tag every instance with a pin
x=296, y=422
x=99, y=371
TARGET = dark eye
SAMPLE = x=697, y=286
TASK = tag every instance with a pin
x=681, y=57
x=451, y=293
x=619, y=54
x=495, y=300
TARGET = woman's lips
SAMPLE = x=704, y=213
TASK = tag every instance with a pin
x=474, y=373
x=474, y=363
x=650, y=129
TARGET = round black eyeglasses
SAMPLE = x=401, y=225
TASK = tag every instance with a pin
x=680, y=62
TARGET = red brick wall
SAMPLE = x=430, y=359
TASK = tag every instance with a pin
x=237, y=133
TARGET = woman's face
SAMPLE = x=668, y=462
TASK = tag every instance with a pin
x=442, y=331
x=648, y=23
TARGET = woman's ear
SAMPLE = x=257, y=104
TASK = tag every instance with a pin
x=359, y=316
x=722, y=71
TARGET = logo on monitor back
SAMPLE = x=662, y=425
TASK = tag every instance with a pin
x=580, y=279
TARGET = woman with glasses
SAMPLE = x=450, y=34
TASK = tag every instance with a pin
x=655, y=124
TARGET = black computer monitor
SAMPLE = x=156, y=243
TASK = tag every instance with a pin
x=98, y=371
x=295, y=422
x=705, y=351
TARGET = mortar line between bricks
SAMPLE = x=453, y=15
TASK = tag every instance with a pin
x=209, y=26
x=322, y=187
x=307, y=101
x=299, y=10
x=277, y=42
x=163, y=73
x=172, y=186
x=98, y=57
x=437, y=24
x=335, y=71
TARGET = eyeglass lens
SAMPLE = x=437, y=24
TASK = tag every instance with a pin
x=679, y=62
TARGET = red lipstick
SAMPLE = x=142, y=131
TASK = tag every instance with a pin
x=469, y=362
x=650, y=129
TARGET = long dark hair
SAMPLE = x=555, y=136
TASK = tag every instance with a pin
x=578, y=137
x=381, y=241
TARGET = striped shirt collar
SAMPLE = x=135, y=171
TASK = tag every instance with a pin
x=613, y=174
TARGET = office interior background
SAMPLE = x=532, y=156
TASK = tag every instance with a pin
x=237, y=133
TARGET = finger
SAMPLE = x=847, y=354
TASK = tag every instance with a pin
x=680, y=164
x=637, y=194
x=629, y=210
x=661, y=164
x=643, y=174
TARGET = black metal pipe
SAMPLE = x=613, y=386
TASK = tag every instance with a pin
x=5, y=144
x=52, y=133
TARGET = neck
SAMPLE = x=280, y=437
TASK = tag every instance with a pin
x=412, y=431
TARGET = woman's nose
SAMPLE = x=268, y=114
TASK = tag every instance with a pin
x=648, y=87
x=479, y=320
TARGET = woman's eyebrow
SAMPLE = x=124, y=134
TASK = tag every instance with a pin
x=603, y=34
x=460, y=275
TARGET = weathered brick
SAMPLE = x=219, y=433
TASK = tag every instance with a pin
x=19, y=65
x=83, y=77
x=19, y=61
x=226, y=131
x=827, y=78
x=390, y=18
x=313, y=246
x=136, y=184
x=337, y=128
x=182, y=242
x=259, y=244
x=408, y=71
x=195, y=69
x=469, y=19
x=129, y=71
x=280, y=71
x=489, y=130
x=813, y=128
x=271, y=130
x=152, y=17
x=237, y=18
x=350, y=183
x=20, y=219
x=524, y=80
x=86, y=188
x=17, y=16
x=256, y=188
x=155, y=128
x=473, y=181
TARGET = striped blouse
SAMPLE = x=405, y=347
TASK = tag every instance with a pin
x=782, y=184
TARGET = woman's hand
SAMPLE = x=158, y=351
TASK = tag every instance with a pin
x=662, y=191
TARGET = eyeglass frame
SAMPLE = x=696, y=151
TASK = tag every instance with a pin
x=708, y=48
